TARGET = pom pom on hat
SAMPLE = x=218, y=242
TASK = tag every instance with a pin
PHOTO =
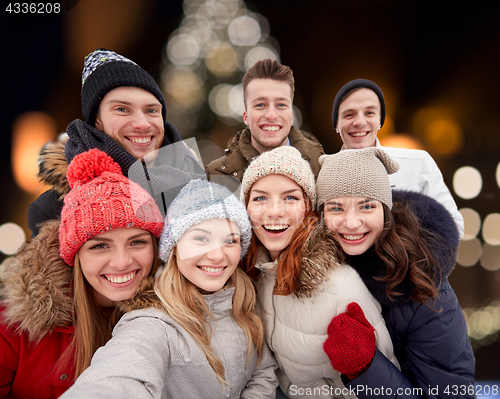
x=89, y=165
x=102, y=199
x=285, y=160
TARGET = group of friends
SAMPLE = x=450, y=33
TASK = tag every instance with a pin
x=322, y=276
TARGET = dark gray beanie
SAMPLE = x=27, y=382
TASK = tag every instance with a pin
x=105, y=70
x=357, y=84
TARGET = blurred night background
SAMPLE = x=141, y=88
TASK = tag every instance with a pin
x=437, y=63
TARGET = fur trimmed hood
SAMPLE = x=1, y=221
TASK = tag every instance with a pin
x=36, y=286
x=318, y=258
x=53, y=166
x=443, y=240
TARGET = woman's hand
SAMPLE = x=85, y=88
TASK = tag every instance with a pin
x=351, y=342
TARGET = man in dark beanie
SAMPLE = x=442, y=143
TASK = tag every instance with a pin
x=358, y=114
x=126, y=117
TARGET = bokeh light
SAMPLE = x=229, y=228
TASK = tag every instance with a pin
x=235, y=100
x=183, y=49
x=185, y=86
x=472, y=223
x=259, y=53
x=491, y=229
x=12, y=237
x=244, y=31
x=490, y=257
x=219, y=100
x=444, y=136
x=482, y=322
x=467, y=182
x=222, y=61
x=213, y=14
x=469, y=252
x=30, y=132
x=400, y=141
x=441, y=132
x=217, y=41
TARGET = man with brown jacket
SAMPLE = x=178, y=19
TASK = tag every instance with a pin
x=268, y=89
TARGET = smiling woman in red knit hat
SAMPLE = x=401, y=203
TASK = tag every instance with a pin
x=60, y=291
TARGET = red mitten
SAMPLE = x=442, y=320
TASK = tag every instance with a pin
x=351, y=342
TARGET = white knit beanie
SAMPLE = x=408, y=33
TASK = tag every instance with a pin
x=356, y=173
x=285, y=161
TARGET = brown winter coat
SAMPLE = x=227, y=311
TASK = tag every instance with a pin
x=239, y=153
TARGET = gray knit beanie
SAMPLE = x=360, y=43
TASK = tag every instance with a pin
x=356, y=173
x=202, y=200
x=285, y=161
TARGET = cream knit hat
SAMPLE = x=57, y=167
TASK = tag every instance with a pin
x=285, y=161
x=356, y=173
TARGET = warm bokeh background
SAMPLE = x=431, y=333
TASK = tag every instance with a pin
x=438, y=64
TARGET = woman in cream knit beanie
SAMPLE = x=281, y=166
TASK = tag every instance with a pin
x=300, y=284
x=279, y=192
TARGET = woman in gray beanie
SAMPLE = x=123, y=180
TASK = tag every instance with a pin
x=403, y=245
x=195, y=334
x=300, y=284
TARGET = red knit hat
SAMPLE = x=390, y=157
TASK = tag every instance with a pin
x=102, y=199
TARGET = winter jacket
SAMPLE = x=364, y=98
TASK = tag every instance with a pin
x=152, y=356
x=240, y=152
x=430, y=343
x=175, y=165
x=296, y=325
x=419, y=172
x=36, y=320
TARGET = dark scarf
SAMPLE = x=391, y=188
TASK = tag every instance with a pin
x=174, y=167
x=441, y=234
x=370, y=267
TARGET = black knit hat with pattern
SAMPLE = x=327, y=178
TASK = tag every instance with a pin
x=357, y=84
x=105, y=70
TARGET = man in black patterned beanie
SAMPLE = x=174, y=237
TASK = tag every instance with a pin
x=126, y=117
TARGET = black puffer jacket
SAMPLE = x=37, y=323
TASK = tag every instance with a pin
x=431, y=345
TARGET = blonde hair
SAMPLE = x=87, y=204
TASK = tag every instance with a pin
x=182, y=301
x=93, y=326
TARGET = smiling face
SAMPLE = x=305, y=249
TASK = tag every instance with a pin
x=132, y=117
x=356, y=221
x=359, y=119
x=208, y=253
x=115, y=262
x=269, y=113
x=276, y=208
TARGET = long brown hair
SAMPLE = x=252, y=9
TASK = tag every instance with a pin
x=182, y=301
x=290, y=259
x=93, y=325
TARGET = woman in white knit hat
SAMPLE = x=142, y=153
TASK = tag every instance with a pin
x=403, y=245
x=300, y=284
